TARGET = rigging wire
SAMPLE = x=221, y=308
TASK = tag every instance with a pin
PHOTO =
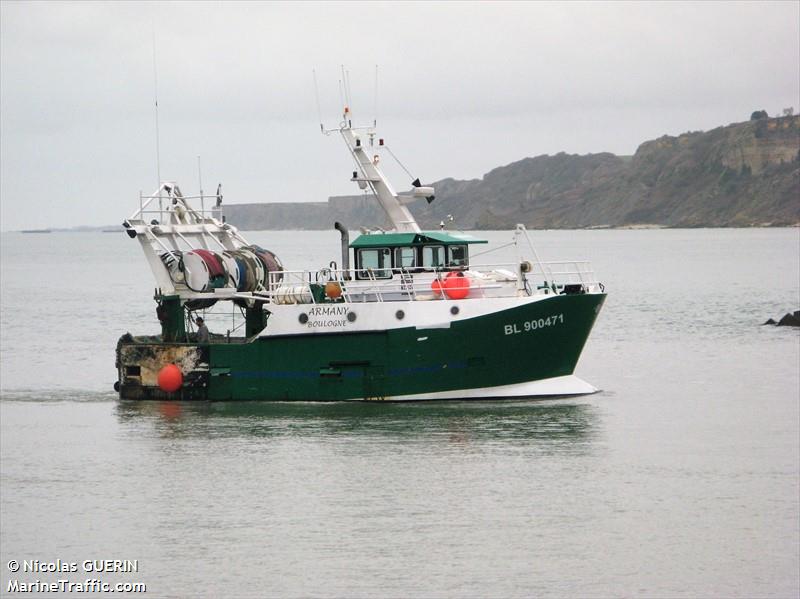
x=500, y=247
x=385, y=147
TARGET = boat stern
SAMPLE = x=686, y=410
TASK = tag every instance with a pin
x=142, y=360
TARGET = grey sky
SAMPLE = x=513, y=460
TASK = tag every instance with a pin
x=463, y=88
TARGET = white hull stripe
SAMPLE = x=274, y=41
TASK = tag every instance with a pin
x=559, y=385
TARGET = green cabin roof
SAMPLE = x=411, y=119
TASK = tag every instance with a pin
x=406, y=239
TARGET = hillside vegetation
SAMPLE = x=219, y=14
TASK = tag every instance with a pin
x=744, y=174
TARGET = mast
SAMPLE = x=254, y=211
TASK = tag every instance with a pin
x=369, y=173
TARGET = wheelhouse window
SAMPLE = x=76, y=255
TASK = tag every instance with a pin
x=377, y=261
x=405, y=258
x=457, y=255
x=433, y=256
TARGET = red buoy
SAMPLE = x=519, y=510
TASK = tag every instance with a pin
x=170, y=409
x=170, y=378
x=437, y=287
x=333, y=290
x=456, y=286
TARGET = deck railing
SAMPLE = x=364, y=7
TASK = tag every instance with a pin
x=163, y=202
x=378, y=285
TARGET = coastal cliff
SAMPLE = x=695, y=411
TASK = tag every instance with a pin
x=744, y=174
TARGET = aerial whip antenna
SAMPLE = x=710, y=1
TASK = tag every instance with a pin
x=316, y=94
x=200, y=181
x=158, y=136
x=155, y=100
x=346, y=86
x=375, y=108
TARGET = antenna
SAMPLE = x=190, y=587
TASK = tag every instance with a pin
x=346, y=87
x=375, y=110
x=200, y=180
x=155, y=96
x=316, y=94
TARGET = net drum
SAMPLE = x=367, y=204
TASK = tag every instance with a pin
x=271, y=263
x=251, y=270
x=233, y=270
x=204, y=270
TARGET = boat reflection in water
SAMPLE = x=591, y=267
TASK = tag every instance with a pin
x=551, y=424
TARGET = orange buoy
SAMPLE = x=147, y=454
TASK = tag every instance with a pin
x=170, y=378
x=333, y=290
x=456, y=286
x=437, y=287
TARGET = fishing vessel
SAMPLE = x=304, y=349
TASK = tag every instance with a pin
x=404, y=316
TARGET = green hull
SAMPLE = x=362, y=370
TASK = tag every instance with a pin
x=534, y=341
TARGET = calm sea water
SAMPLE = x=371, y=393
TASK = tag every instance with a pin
x=680, y=478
